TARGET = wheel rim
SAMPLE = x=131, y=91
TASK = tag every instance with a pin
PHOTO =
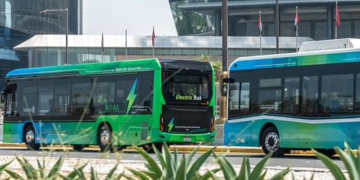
x=30, y=137
x=105, y=137
x=272, y=141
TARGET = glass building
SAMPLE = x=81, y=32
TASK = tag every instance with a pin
x=317, y=17
x=21, y=19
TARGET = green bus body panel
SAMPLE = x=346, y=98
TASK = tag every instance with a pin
x=127, y=129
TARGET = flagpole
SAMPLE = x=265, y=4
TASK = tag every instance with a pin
x=336, y=11
x=297, y=29
x=260, y=32
x=125, y=44
x=153, y=40
x=102, y=47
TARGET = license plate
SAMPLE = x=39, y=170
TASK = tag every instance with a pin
x=187, y=139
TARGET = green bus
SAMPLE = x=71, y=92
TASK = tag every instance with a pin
x=116, y=104
x=296, y=101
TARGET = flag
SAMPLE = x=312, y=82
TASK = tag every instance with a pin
x=102, y=42
x=337, y=16
x=153, y=37
x=297, y=20
x=260, y=23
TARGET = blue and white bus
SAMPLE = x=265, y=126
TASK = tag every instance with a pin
x=296, y=101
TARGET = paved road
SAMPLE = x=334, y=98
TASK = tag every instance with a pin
x=295, y=162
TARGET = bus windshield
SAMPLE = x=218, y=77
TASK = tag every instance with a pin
x=187, y=88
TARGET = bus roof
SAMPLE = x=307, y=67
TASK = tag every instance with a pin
x=87, y=69
x=315, y=53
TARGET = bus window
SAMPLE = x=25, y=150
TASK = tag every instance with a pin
x=337, y=93
x=80, y=98
x=62, y=99
x=245, y=97
x=104, y=97
x=291, y=94
x=46, y=102
x=234, y=90
x=29, y=100
x=310, y=92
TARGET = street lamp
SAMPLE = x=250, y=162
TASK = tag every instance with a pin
x=66, y=24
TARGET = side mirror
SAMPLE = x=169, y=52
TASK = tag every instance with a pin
x=225, y=85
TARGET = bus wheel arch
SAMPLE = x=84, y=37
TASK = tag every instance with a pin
x=104, y=136
x=29, y=135
x=270, y=140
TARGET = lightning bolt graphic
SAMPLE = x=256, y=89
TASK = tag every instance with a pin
x=171, y=125
x=131, y=97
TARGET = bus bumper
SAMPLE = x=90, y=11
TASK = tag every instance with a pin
x=185, y=138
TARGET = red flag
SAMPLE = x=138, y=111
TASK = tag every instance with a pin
x=260, y=24
x=153, y=38
x=297, y=20
x=337, y=16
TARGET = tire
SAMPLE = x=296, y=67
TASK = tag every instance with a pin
x=149, y=148
x=105, y=138
x=29, y=138
x=327, y=152
x=270, y=142
x=79, y=147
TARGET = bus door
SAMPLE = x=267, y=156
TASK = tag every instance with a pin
x=187, y=95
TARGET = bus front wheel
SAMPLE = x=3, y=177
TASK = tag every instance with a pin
x=105, y=138
x=270, y=142
x=29, y=138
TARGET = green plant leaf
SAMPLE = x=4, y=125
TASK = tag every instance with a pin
x=64, y=177
x=191, y=156
x=181, y=171
x=29, y=170
x=262, y=176
x=224, y=167
x=175, y=158
x=74, y=173
x=349, y=164
x=14, y=175
x=154, y=166
x=244, y=172
x=281, y=175
x=138, y=174
x=151, y=174
x=352, y=155
x=56, y=168
x=41, y=168
x=198, y=163
x=159, y=156
x=94, y=175
x=110, y=175
x=334, y=169
x=80, y=173
x=207, y=175
x=170, y=171
x=213, y=176
x=119, y=176
x=230, y=167
x=257, y=171
x=4, y=166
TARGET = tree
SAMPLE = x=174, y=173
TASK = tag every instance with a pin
x=217, y=64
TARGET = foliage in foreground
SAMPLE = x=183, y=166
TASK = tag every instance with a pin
x=187, y=168
x=350, y=160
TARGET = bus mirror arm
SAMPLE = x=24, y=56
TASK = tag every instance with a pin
x=224, y=86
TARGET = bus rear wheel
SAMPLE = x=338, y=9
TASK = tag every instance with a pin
x=29, y=138
x=270, y=142
x=105, y=138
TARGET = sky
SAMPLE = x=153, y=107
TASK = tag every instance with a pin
x=138, y=17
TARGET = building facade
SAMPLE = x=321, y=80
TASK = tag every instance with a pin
x=317, y=17
x=21, y=19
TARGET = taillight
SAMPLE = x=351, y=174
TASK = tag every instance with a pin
x=209, y=78
x=212, y=125
x=162, y=124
